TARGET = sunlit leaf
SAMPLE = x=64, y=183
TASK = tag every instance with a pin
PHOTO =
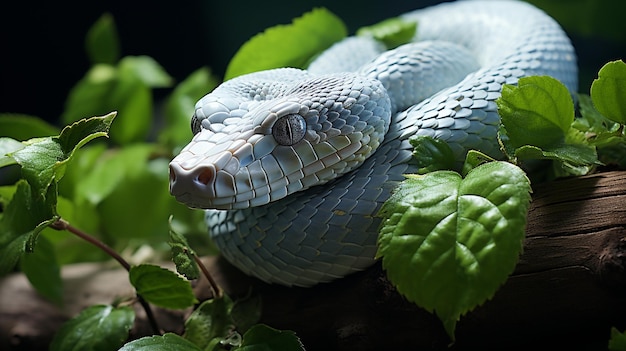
x=125, y=88
x=393, y=31
x=45, y=159
x=291, y=45
x=8, y=146
x=161, y=286
x=608, y=92
x=146, y=70
x=578, y=155
x=146, y=183
x=538, y=111
x=448, y=243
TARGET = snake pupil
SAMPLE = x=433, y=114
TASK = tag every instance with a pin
x=196, y=125
x=289, y=129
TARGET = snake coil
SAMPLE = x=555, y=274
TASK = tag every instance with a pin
x=293, y=165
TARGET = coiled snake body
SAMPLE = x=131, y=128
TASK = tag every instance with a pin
x=293, y=165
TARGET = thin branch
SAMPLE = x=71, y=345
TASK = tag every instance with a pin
x=62, y=224
x=215, y=289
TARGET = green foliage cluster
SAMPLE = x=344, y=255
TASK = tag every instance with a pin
x=463, y=236
x=77, y=182
x=450, y=237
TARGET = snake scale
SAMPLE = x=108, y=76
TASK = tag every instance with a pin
x=292, y=165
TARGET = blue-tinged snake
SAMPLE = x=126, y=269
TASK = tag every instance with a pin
x=293, y=165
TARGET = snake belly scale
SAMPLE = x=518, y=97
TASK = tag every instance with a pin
x=293, y=165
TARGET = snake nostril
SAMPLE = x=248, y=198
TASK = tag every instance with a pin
x=206, y=176
x=172, y=174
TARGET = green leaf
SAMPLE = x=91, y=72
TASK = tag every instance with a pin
x=166, y=342
x=78, y=134
x=180, y=107
x=8, y=146
x=209, y=321
x=538, y=111
x=598, y=130
x=393, y=32
x=146, y=183
x=448, y=243
x=291, y=45
x=432, y=154
x=162, y=287
x=264, y=338
x=608, y=91
x=44, y=160
x=474, y=159
x=109, y=179
x=23, y=127
x=102, y=42
x=133, y=101
x=91, y=96
x=190, y=223
x=574, y=154
x=146, y=70
x=43, y=272
x=617, y=341
x=81, y=213
x=99, y=327
x=183, y=256
x=112, y=169
x=591, y=120
x=24, y=217
x=247, y=311
x=124, y=88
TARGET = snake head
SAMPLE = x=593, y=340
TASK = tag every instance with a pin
x=263, y=136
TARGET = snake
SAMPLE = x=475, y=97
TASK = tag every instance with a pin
x=292, y=165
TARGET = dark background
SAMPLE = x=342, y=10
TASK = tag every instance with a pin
x=42, y=43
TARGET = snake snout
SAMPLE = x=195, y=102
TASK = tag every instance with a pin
x=192, y=181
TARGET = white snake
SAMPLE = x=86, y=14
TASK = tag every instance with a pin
x=293, y=165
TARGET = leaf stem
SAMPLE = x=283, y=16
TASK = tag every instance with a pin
x=215, y=289
x=62, y=224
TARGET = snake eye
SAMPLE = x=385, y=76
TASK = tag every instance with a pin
x=196, y=125
x=289, y=129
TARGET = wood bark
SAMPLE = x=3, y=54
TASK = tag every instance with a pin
x=567, y=291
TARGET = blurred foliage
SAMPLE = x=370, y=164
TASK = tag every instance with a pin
x=117, y=189
x=588, y=18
